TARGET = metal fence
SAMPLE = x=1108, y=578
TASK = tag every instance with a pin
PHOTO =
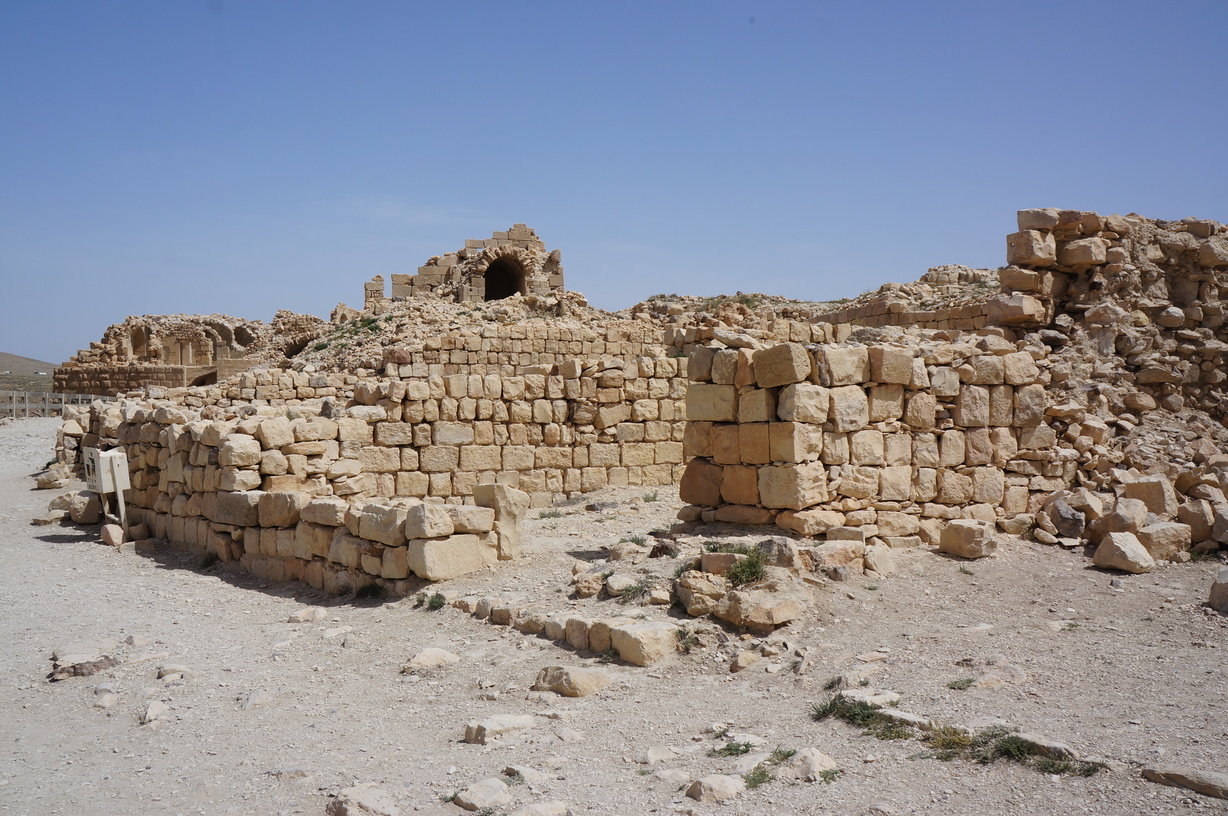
x=40, y=403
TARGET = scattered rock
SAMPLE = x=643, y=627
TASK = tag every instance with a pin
x=715, y=788
x=255, y=698
x=500, y=727
x=1208, y=783
x=308, y=615
x=968, y=538
x=1219, y=592
x=810, y=763
x=429, y=658
x=363, y=800
x=154, y=711
x=486, y=793
x=573, y=681
x=1123, y=551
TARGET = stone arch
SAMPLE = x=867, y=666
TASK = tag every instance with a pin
x=507, y=272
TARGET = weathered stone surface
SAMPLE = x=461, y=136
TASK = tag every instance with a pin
x=1218, y=599
x=241, y=509
x=715, y=788
x=809, y=764
x=281, y=509
x=795, y=487
x=1164, y=540
x=1155, y=491
x=644, y=644
x=239, y=450
x=428, y=521
x=968, y=538
x=571, y=681
x=498, y=728
x=85, y=507
x=382, y=523
x=803, y=402
x=699, y=591
x=362, y=800
x=843, y=365
x=850, y=409
x=701, y=483
x=443, y=558
x=712, y=403
x=1123, y=551
x=330, y=512
x=1031, y=248
x=429, y=658
x=483, y=795
x=758, y=609
x=809, y=522
x=781, y=365
x=1208, y=783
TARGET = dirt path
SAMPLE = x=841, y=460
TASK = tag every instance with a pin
x=273, y=717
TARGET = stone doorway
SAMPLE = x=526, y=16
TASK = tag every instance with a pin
x=504, y=278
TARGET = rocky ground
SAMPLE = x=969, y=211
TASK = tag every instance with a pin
x=257, y=714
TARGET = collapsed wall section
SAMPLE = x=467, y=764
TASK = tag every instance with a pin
x=891, y=439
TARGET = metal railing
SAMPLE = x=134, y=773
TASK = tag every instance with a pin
x=41, y=403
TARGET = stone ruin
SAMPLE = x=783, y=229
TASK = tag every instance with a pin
x=1074, y=395
x=511, y=262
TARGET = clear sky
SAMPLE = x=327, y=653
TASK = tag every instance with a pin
x=239, y=157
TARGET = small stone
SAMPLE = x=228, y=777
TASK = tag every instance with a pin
x=255, y=698
x=500, y=727
x=363, y=800
x=573, y=681
x=715, y=788
x=155, y=710
x=429, y=658
x=810, y=763
x=1208, y=783
x=743, y=660
x=1219, y=592
x=486, y=793
x=308, y=615
x=112, y=535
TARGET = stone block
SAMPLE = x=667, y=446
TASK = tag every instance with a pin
x=843, y=366
x=1083, y=252
x=890, y=365
x=330, y=512
x=850, y=409
x=740, y=484
x=968, y=538
x=886, y=402
x=1164, y=540
x=1017, y=310
x=382, y=523
x=281, y=509
x=711, y=403
x=795, y=487
x=427, y=521
x=1019, y=368
x=1155, y=491
x=858, y=482
x=795, y=442
x=781, y=365
x=644, y=644
x=756, y=405
x=1123, y=551
x=895, y=484
x=242, y=509
x=809, y=522
x=441, y=559
x=803, y=402
x=239, y=450
x=754, y=445
x=469, y=518
x=972, y=406
x=274, y=433
x=701, y=483
x=1031, y=248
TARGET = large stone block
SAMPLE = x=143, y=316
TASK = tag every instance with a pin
x=281, y=509
x=383, y=524
x=850, y=409
x=701, y=483
x=239, y=450
x=1083, y=252
x=1155, y=491
x=890, y=365
x=810, y=522
x=803, y=402
x=1031, y=248
x=781, y=365
x=795, y=442
x=1123, y=551
x=441, y=559
x=972, y=406
x=428, y=521
x=968, y=538
x=240, y=509
x=795, y=487
x=711, y=403
x=325, y=511
x=843, y=366
x=1164, y=540
x=740, y=484
x=644, y=644
x=275, y=432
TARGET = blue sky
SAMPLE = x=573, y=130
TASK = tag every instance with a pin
x=240, y=157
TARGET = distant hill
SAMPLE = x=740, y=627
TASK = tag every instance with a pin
x=23, y=366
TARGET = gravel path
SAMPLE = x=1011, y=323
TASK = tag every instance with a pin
x=270, y=717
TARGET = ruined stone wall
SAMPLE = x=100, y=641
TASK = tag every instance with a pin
x=890, y=439
x=513, y=261
x=1149, y=292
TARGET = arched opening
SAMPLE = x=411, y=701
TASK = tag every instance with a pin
x=504, y=278
x=208, y=378
x=140, y=343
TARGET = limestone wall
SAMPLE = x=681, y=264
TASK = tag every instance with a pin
x=891, y=439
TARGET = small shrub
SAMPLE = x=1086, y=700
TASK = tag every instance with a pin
x=721, y=733
x=757, y=776
x=687, y=640
x=515, y=778
x=889, y=730
x=635, y=539
x=780, y=755
x=436, y=601
x=635, y=592
x=608, y=656
x=686, y=566
x=650, y=497
x=851, y=711
x=550, y=514
x=830, y=775
x=961, y=684
x=966, y=571
x=747, y=570
x=320, y=346
x=420, y=600
x=718, y=547
x=731, y=749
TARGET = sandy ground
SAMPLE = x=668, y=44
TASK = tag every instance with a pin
x=272, y=717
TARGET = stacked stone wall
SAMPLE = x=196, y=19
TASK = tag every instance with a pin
x=891, y=439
